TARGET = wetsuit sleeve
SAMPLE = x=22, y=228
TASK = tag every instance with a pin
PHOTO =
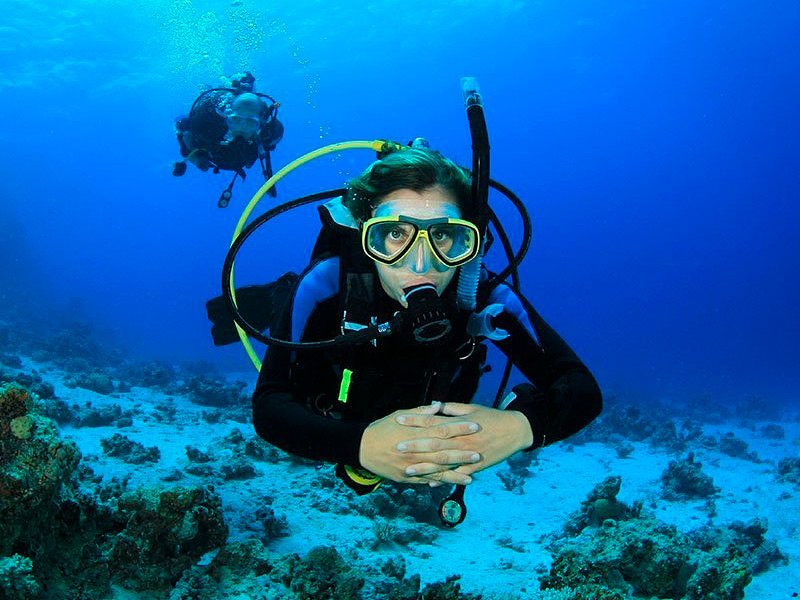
x=562, y=397
x=279, y=416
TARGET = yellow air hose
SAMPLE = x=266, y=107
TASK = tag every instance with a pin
x=375, y=145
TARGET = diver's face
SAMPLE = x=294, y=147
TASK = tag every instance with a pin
x=243, y=125
x=420, y=265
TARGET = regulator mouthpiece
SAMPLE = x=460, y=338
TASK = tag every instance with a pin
x=427, y=320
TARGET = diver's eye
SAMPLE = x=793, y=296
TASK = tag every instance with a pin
x=442, y=237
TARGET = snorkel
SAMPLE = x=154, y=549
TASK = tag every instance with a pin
x=470, y=273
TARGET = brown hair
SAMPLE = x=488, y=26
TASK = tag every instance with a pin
x=410, y=169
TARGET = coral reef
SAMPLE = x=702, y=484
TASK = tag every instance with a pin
x=684, y=479
x=601, y=505
x=323, y=575
x=397, y=500
x=789, y=470
x=152, y=374
x=166, y=532
x=401, y=531
x=129, y=451
x=215, y=392
x=95, y=381
x=34, y=463
x=16, y=578
x=732, y=446
x=773, y=431
x=65, y=541
x=518, y=470
x=627, y=422
x=643, y=557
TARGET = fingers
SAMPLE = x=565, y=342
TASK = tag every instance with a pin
x=457, y=409
x=439, y=443
x=442, y=461
x=439, y=478
x=428, y=409
x=440, y=427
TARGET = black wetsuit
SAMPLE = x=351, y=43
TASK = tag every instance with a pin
x=295, y=405
x=206, y=129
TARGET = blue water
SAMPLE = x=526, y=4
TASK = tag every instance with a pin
x=654, y=143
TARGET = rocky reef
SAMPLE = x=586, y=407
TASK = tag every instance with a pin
x=613, y=551
x=60, y=539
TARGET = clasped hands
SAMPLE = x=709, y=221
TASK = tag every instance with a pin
x=442, y=442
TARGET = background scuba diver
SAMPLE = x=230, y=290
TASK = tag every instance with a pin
x=229, y=129
x=374, y=406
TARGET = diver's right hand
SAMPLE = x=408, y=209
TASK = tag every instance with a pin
x=379, y=454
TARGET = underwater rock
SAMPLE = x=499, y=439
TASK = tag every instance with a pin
x=505, y=541
x=196, y=455
x=45, y=518
x=647, y=558
x=129, y=451
x=100, y=417
x=75, y=541
x=57, y=410
x=684, y=479
x=623, y=448
x=512, y=482
x=732, y=446
x=322, y=575
x=239, y=468
x=521, y=462
x=257, y=448
x=401, y=531
x=96, y=381
x=600, y=505
x=789, y=470
x=642, y=557
x=627, y=422
x=194, y=584
x=24, y=379
x=76, y=350
x=773, y=432
x=274, y=525
x=34, y=462
x=449, y=589
x=396, y=500
x=214, y=416
x=10, y=360
x=518, y=470
x=16, y=578
x=237, y=559
x=215, y=392
x=43, y=390
x=166, y=532
x=153, y=374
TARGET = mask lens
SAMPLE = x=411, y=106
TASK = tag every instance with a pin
x=242, y=123
x=388, y=241
x=453, y=242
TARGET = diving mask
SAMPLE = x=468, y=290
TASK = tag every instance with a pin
x=390, y=239
x=243, y=125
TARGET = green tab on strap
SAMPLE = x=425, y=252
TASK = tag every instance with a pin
x=344, y=386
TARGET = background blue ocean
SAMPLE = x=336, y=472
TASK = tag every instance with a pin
x=655, y=145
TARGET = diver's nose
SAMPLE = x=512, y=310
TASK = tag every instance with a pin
x=421, y=262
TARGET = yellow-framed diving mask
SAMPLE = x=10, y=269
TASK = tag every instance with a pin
x=389, y=239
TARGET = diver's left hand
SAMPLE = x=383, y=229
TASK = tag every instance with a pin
x=501, y=434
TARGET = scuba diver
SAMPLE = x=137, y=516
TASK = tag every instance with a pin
x=376, y=349
x=229, y=129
